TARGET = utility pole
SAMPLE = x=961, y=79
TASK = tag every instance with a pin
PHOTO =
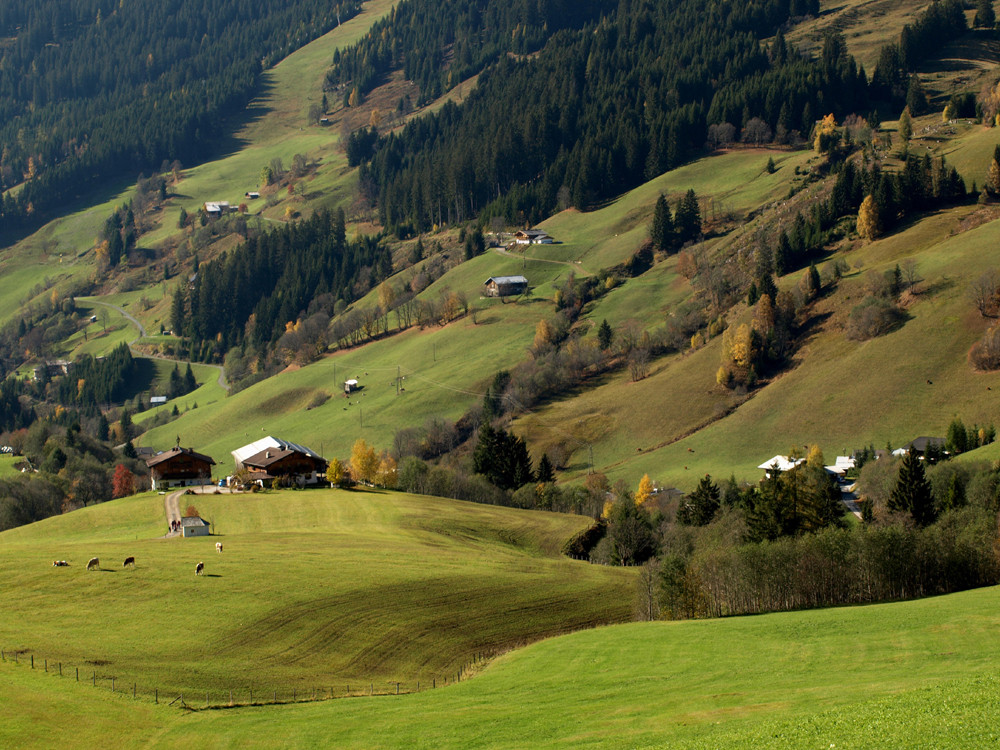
x=361, y=412
x=397, y=380
x=591, y=449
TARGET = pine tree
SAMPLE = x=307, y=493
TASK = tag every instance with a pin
x=605, y=336
x=189, y=381
x=698, y=508
x=985, y=16
x=545, y=471
x=687, y=220
x=662, y=230
x=912, y=493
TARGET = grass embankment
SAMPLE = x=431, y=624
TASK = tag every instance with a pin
x=914, y=674
x=314, y=587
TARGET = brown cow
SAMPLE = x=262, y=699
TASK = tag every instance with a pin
x=129, y=561
x=199, y=568
x=94, y=564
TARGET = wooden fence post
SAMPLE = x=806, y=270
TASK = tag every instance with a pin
x=206, y=699
x=46, y=665
x=77, y=674
x=60, y=669
x=95, y=678
x=112, y=684
x=156, y=695
x=32, y=661
x=397, y=688
x=251, y=696
x=274, y=697
x=293, y=695
x=230, y=697
x=133, y=691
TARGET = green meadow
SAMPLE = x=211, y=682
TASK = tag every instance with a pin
x=313, y=588
x=905, y=675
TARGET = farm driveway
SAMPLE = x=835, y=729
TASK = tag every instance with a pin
x=172, y=507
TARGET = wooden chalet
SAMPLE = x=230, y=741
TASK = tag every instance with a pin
x=271, y=459
x=505, y=286
x=179, y=467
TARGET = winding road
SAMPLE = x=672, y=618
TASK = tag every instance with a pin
x=142, y=333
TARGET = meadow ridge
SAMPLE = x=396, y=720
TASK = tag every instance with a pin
x=913, y=674
x=312, y=586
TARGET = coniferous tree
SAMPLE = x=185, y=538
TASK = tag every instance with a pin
x=545, y=471
x=700, y=507
x=662, y=230
x=605, y=335
x=912, y=493
x=985, y=16
x=688, y=218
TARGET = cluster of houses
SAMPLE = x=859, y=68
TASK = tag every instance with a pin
x=843, y=464
x=265, y=462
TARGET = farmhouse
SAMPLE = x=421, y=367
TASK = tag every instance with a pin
x=780, y=463
x=179, y=467
x=921, y=445
x=532, y=237
x=215, y=209
x=270, y=459
x=505, y=286
x=194, y=526
x=52, y=369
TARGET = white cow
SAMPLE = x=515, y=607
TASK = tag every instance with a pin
x=218, y=546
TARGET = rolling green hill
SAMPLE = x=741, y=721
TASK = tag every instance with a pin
x=915, y=674
x=312, y=586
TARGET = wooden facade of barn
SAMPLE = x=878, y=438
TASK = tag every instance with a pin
x=180, y=467
x=505, y=286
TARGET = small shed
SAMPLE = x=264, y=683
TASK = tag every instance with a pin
x=350, y=385
x=505, y=286
x=194, y=526
x=251, y=194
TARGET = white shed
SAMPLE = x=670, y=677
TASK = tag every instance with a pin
x=194, y=526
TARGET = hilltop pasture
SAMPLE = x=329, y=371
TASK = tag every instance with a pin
x=313, y=586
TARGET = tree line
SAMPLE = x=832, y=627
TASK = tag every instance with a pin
x=274, y=281
x=92, y=90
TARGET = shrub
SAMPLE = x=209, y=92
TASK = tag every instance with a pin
x=874, y=316
x=985, y=353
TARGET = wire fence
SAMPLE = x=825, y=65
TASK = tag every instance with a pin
x=201, y=699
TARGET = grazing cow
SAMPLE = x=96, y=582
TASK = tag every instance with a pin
x=94, y=564
x=129, y=561
x=60, y=563
x=218, y=546
x=199, y=568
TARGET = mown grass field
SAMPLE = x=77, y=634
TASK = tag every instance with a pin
x=907, y=675
x=313, y=588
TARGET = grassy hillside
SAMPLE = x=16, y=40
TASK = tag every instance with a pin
x=313, y=586
x=914, y=674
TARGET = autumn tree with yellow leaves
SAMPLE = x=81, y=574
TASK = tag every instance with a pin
x=869, y=226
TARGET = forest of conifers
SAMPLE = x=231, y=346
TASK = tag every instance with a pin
x=604, y=105
x=90, y=89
